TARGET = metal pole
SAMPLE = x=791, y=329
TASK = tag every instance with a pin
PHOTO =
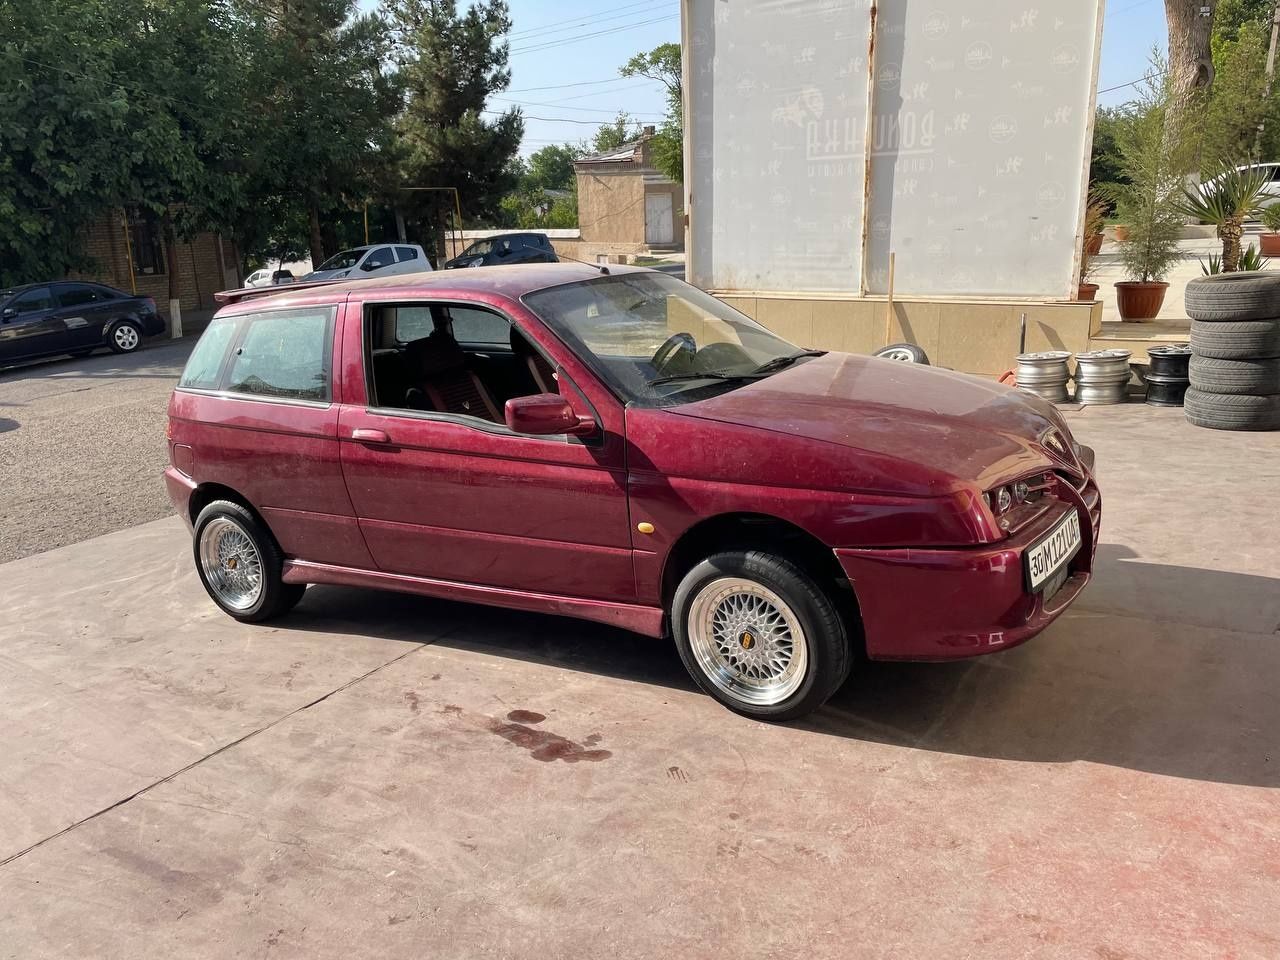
x=128, y=252
x=1271, y=70
x=366, y=222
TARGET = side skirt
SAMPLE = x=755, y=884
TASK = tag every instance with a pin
x=643, y=620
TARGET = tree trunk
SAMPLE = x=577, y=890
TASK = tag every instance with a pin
x=317, y=243
x=1230, y=232
x=1190, y=58
x=171, y=258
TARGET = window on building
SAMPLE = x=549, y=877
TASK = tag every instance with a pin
x=146, y=242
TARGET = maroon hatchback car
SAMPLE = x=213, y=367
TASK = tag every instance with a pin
x=623, y=447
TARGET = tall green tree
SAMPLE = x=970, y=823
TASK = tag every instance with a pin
x=551, y=167
x=451, y=63
x=609, y=136
x=662, y=64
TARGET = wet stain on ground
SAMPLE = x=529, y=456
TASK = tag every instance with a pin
x=525, y=716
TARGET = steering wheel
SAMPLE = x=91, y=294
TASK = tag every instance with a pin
x=670, y=345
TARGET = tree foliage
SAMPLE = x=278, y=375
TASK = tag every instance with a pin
x=662, y=64
x=450, y=64
x=609, y=136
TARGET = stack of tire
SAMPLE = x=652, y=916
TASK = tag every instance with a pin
x=1235, y=351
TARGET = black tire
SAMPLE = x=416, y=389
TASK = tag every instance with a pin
x=1236, y=339
x=1213, y=375
x=1246, y=295
x=829, y=656
x=120, y=340
x=275, y=597
x=903, y=353
x=1232, y=411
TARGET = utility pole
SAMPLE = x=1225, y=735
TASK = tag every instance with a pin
x=1271, y=72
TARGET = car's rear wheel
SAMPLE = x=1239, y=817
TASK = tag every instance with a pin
x=761, y=635
x=239, y=564
x=125, y=336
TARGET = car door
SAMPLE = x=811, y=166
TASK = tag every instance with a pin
x=30, y=326
x=461, y=499
x=410, y=260
x=85, y=310
x=377, y=262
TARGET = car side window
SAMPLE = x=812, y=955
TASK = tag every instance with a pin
x=284, y=354
x=379, y=257
x=77, y=294
x=479, y=327
x=205, y=362
x=406, y=253
x=413, y=323
x=33, y=300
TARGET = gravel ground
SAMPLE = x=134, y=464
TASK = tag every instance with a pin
x=82, y=446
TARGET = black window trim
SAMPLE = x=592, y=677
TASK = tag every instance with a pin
x=475, y=423
x=241, y=323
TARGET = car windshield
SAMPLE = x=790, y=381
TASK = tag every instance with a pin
x=342, y=261
x=478, y=249
x=659, y=341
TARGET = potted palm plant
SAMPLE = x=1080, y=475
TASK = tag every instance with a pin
x=1226, y=199
x=1095, y=214
x=1269, y=239
x=1153, y=156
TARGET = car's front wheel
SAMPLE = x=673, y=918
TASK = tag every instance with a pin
x=240, y=564
x=125, y=336
x=761, y=635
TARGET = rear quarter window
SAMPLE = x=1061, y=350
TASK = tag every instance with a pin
x=205, y=363
x=283, y=354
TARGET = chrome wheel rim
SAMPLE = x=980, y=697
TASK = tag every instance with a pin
x=902, y=355
x=747, y=641
x=231, y=563
x=126, y=337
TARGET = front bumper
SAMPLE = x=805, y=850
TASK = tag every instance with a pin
x=952, y=603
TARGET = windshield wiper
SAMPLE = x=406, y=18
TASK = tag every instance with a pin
x=777, y=363
x=708, y=375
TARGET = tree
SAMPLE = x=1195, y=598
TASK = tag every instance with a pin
x=621, y=129
x=1190, y=62
x=451, y=64
x=1238, y=103
x=662, y=63
x=551, y=168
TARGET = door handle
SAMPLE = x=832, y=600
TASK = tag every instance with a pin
x=363, y=435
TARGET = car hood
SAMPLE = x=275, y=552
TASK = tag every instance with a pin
x=966, y=428
x=325, y=274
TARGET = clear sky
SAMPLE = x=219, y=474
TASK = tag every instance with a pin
x=565, y=56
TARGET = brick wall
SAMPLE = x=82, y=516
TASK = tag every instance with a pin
x=199, y=273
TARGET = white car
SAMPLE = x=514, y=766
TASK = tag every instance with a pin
x=372, y=261
x=268, y=278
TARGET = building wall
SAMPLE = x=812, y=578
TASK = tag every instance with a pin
x=971, y=337
x=611, y=206
x=200, y=273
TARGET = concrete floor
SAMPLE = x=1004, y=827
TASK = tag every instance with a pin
x=381, y=775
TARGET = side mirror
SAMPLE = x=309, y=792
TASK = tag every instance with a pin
x=545, y=413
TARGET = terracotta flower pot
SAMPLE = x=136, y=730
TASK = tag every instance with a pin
x=1122, y=233
x=1093, y=246
x=1140, y=301
x=1087, y=291
x=1269, y=244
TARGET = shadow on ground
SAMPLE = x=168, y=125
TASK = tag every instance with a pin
x=1141, y=692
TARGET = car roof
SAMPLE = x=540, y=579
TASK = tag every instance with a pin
x=512, y=281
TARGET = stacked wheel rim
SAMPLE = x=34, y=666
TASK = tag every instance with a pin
x=1045, y=374
x=1102, y=376
x=1234, y=370
x=1167, y=379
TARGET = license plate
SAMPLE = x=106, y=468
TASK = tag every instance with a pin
x=1054, y=551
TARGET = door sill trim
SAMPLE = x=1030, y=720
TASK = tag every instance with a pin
x=648, y=621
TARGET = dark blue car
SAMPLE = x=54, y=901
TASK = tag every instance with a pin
x=70, y=316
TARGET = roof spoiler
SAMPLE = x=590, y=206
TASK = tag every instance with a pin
x=251, y=293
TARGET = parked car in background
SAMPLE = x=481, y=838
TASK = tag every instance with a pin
x=70, y=316
x=372, y=261
x=625, y=448
x=268, y=278
x=506, y=248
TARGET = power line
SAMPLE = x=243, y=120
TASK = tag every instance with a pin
x=1132, y=6
x=114, y=83
x=576, y=22
x=561, y=86
x=534, y=103
x=1134, y=83
x=589, y=123
x=534, y=48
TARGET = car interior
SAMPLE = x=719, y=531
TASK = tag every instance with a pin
x=452, y=359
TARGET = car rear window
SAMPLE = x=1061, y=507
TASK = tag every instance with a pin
x=205, y=362
x=283, y=354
